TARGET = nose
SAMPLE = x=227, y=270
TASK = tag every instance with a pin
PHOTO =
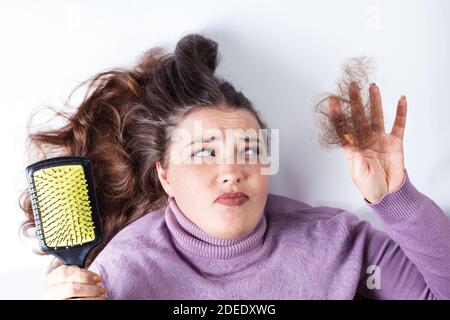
x=231, y=175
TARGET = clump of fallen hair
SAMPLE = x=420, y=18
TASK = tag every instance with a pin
x=352, y=127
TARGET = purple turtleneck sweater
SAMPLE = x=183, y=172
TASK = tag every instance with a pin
x=297, y=251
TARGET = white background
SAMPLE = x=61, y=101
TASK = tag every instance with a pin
x=282, y=54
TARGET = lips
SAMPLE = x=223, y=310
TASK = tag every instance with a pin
x=232, y=198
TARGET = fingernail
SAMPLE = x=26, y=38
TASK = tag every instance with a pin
x=97, y=279
x=404, y=97
x=349, y=138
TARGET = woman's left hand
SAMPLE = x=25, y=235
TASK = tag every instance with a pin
x=379, y=169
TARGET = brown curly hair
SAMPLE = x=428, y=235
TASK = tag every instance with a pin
x=124, y=123
x=351, y=122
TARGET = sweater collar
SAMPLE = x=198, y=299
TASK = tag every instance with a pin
x=194, y=240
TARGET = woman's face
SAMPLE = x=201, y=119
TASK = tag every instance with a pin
x=209, y=155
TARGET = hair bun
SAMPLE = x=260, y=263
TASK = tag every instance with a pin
x=198, y=50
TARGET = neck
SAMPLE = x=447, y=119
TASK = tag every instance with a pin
x=196, y=241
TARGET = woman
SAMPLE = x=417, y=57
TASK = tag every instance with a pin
x=181, y=223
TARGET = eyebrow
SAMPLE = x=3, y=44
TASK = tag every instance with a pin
x=247, y=139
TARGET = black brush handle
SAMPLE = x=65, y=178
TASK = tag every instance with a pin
x=75, y=256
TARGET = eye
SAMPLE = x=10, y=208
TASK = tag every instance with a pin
x=204, y=152
x=254, y=151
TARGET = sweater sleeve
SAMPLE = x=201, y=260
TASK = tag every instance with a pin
x=411, y=258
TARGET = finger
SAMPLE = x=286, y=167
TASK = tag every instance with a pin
x=74, y=290
x=72, y=274
x=339, y=121
x=359, y=119
x=398, y=128
x=376, y=109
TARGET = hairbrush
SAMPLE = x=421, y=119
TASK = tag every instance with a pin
x=64, y=207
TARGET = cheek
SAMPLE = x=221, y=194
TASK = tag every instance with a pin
x=259, y=181
x=188, y=178
x=262, y=187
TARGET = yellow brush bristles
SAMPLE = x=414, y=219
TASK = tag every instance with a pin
x=63, y=203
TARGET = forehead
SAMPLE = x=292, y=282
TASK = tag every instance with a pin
x=223, y=118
